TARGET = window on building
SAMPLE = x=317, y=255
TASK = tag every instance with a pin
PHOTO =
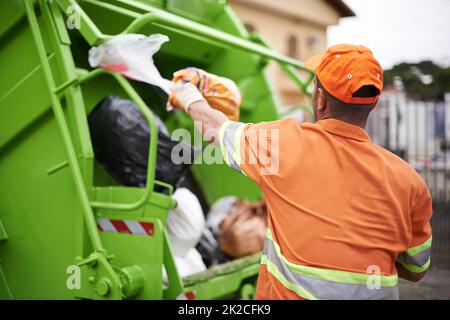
x=313, y=42
x=293, y=46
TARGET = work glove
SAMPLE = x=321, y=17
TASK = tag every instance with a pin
x=220, y=93
x=184, y=95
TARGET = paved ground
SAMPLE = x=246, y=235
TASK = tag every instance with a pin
x=434, y=286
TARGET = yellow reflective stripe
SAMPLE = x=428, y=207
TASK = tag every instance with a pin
x=415, y=268
x=237, y=146
x=223, y=148
x=230, y=135
x=273, y=269
x=419, y=248
x=332, y=275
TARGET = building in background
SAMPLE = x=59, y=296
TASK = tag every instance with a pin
x=297, y=28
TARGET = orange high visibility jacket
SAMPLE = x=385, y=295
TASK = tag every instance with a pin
x=342, y=210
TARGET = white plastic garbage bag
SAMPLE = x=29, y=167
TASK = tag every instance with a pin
x=190, y=264
x=132, y=56
x=185, y=223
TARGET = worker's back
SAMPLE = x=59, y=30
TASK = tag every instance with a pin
x=341, y=211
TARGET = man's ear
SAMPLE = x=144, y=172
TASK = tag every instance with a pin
x=321, y=100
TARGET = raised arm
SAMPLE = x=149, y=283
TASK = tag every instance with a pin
x=237, y=141
x=207, y=120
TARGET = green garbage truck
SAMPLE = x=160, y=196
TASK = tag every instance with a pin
x=53, y=190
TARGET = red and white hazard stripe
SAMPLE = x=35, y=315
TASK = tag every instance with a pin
x=126, y=226
x=187, y=296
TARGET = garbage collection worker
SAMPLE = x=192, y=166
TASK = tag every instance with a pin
x=346, y=217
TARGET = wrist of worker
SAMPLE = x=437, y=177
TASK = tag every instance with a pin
x=197, y=108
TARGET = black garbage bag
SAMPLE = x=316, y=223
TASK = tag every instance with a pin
x=120, y=137
x=209, y=248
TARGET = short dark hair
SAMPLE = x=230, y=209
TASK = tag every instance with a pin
x=343, y=110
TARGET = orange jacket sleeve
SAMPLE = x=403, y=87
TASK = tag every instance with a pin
x=417, y=257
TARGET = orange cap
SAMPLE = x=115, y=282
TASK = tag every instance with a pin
x=343, y=69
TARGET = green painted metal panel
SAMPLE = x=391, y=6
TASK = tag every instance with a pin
x=3, y=234
x=10, y=15
x=40, y=214
x=145, y=252
x=5, y=291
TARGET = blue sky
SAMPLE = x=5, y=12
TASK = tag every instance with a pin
x=398, y=30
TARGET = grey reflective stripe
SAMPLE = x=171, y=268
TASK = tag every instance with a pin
x=324, y=289
x=229, y=146
x=419, y=259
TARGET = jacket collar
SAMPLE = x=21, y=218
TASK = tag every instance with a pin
x=344, y=129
